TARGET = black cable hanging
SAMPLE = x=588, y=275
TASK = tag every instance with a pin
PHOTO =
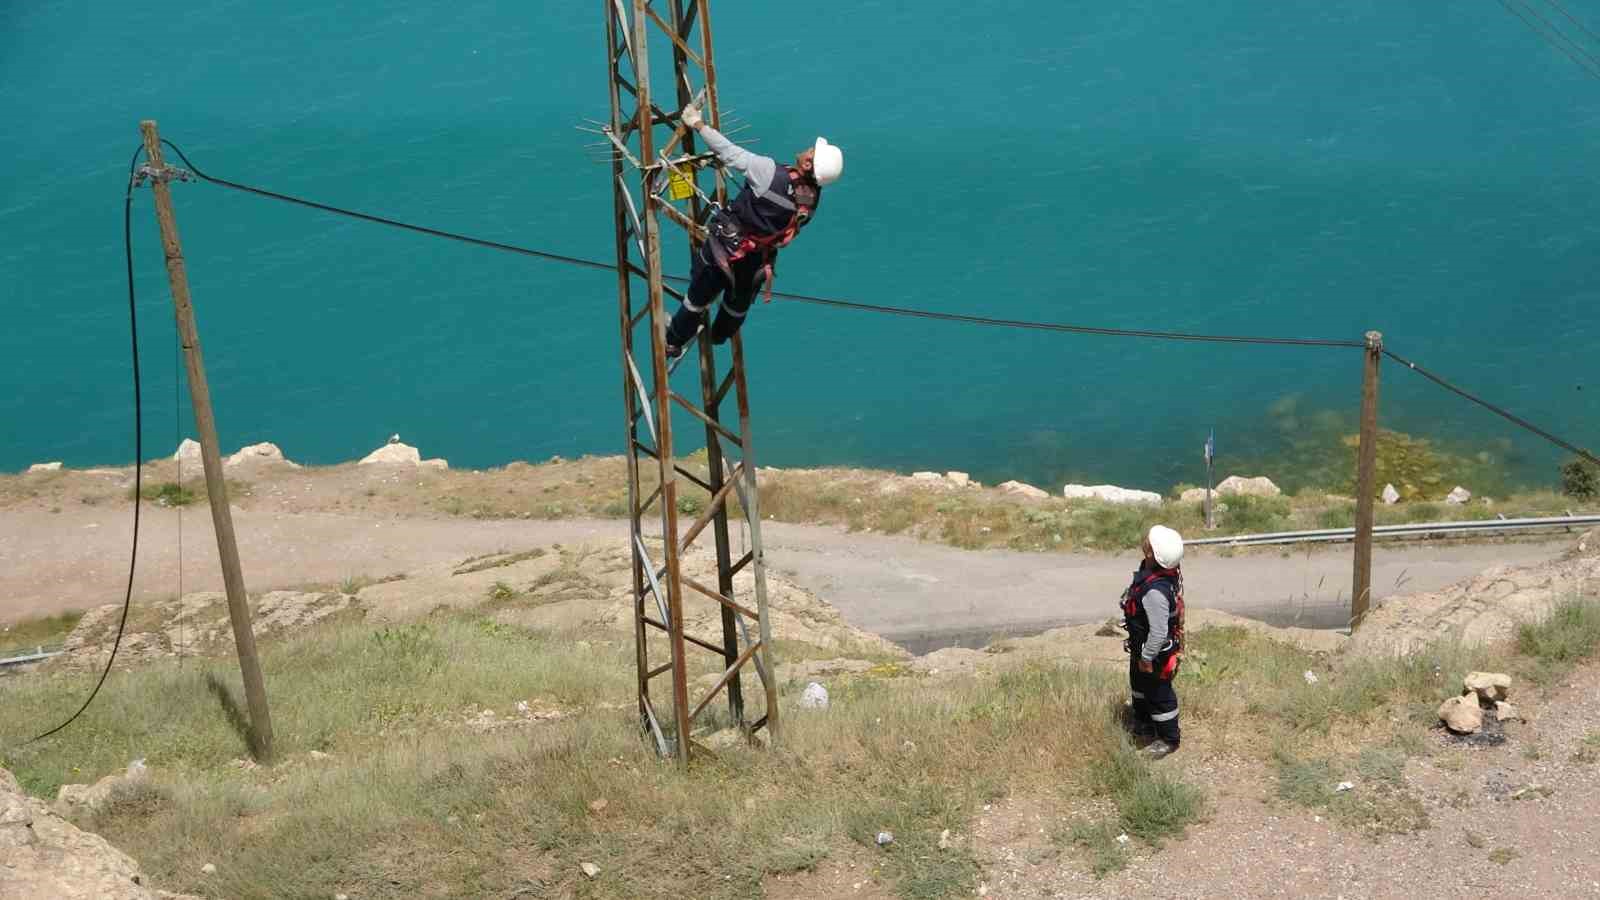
x=905, y=311
x=138, y=448
x=803, y=298
x=1497, y=410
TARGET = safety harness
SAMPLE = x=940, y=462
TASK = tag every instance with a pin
x=737, y=241
x=1137, y=620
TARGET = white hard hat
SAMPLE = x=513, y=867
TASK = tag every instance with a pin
x=1166, y=546
x=827, y=163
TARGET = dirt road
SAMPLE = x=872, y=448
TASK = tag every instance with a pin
x=920, y=594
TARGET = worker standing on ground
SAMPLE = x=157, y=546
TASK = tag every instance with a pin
x=1152, y=610
x=742, y=246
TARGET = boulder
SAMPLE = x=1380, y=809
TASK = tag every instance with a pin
x=262, y=452
x=815, y=697
x=188, y=458
x=44, y=467
x=1505, y=712
x=43, y=855
x=90, y=798
x=926, y=476
x=1490, y=686
x=1461, y=714
x=1193, y=495
x=1024, y=490
x=1458, y=496
x=393, y=454
x=1260, y=486
x=1110, y=493
x=434, y=464
x=1390, y=495
x=959, y=479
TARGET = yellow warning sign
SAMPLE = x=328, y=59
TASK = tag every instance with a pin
x=678, y=187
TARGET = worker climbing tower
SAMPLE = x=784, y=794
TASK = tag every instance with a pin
x=658, y=173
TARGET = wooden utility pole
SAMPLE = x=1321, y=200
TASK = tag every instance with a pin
x=244, y=639
x=1366, y=476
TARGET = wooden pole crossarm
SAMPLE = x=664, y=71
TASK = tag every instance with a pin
x=696, y=232
x=699, y=525
x=718, y=596
x=688, y=637
x=697, y=480
x=673, y=34
x=727, y=675
x=695, y=411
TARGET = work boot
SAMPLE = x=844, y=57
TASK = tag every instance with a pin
x=1159, y=750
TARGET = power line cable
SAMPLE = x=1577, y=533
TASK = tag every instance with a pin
x=902, y=311
x=1497, y=410
x=802, y=298
x=138, y=448
x=1570, y=18
x=1554, y=37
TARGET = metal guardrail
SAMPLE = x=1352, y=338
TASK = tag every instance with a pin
x=36, y=656
x=1328, y=535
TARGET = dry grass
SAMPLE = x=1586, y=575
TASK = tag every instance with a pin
x=415, y=801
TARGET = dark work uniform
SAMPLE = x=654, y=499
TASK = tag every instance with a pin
x=1152, y=609
x=739, y=253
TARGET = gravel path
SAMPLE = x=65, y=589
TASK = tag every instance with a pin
x=920, y=594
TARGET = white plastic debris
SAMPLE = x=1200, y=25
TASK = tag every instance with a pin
x=885, y=838
x=1343, y=786
x=1311, y=677
x=815, y=697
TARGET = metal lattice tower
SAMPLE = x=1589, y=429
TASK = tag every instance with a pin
x=654, y=152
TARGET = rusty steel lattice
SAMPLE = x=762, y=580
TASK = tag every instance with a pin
x=652, y=150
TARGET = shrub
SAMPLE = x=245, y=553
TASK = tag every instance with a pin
x=1580, y=478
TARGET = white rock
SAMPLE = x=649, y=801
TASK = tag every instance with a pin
x=1311, y=677
x=1193, y=495
x=815, y=697
x=1491, y=686
x=435, y=464
x=394, y=453
x=885, y=838
x=319, y=755
x=1458, y=496
x=926, y=476
x=959, y=479
x=1122, y=838
x=262, y=452
x=1390, y=495
x=1024, y=490
x=1260, y=486
x=208, y=869
x=590, y=869
x=188, y=457
x=1110, y=493
x=1505, y=712
x=1343, y=786
x=341, y=897
x=944, y=839
x=44, y=467
x=1461, y=714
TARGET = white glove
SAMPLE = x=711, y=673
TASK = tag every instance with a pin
x=691, y=117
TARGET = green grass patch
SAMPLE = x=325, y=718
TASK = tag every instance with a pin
x=1569, y=634
x=169, y=493
x=44, y=631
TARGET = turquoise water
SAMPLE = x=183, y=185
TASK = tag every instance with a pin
x=1248, y=167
